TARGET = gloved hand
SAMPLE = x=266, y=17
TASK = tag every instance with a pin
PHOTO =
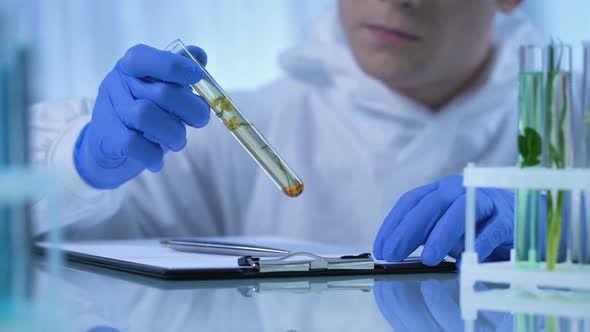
x=434, y=215
x=141, y=110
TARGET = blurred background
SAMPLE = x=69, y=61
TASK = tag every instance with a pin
x=78, y=41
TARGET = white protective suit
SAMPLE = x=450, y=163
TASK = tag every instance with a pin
x=357, y=146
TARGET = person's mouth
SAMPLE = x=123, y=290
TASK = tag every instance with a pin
x=391, y=36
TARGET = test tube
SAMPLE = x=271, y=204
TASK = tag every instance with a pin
x=530, y=141
x=559, y=148
x=242, y=129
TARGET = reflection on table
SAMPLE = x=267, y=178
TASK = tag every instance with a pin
x=100, y=300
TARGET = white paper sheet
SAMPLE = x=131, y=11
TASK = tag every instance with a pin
x=152, y=253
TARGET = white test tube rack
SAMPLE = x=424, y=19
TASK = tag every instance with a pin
x=563, y=292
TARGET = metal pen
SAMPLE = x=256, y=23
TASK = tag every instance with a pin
x=223, y=248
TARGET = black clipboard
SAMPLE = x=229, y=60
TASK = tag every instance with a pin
x=241, y=271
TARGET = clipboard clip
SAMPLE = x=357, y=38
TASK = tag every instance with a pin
x=305, y=261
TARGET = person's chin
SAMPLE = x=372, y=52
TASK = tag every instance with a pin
x=388, y=69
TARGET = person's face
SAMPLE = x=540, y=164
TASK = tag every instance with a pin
x=413, y=42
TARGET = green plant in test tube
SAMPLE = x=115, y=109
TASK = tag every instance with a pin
x=243, y=130
x=530, y=148
x=558, y=140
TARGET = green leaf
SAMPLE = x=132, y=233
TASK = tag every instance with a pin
x=530, y=162
x=523, y=147
x=534, y=162
x=534, y=141
x=530, y=147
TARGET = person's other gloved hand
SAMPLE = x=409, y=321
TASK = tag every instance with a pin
x=434, y=215
x=141, y=110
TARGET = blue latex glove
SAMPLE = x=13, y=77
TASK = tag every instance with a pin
x=141, y=110
x=434, y=215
